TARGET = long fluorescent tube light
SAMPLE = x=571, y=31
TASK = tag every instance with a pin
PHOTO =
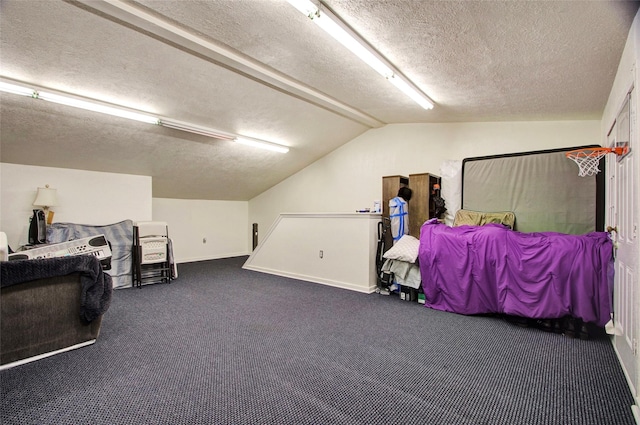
x=352, y=41
x=333, y=26
x=261, y=144
x=16, y=89
x=410, y=91
x=306, y=7
x=78, y=102
x=348, y=39
x=119, y=111
x=96, y=107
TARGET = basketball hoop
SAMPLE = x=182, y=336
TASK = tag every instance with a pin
x=589, y=158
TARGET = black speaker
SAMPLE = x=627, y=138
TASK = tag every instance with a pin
x=255, y=235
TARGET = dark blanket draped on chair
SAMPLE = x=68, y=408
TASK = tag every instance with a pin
x=96, y=285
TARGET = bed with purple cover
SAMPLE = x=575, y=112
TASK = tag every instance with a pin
x=492, y=269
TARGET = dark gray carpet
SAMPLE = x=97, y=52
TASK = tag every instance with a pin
x=222, y=345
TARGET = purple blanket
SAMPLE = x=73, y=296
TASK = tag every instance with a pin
x=491, y=269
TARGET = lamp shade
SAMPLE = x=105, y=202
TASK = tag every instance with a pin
x=46, y=197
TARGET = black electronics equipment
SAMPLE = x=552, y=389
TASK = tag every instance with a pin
x=98, y=246
x=37, y=228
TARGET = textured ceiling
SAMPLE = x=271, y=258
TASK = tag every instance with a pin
x=260, y=68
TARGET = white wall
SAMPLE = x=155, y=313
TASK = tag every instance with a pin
x=347, y=243
x=223, y=224
x=85, y=197
x=89, y=197
x=350, y=177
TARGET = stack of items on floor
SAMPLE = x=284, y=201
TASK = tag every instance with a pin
x=401, y=269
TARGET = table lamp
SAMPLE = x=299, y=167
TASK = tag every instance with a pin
x=46, y=198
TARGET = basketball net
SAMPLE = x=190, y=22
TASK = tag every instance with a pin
x=588, y=159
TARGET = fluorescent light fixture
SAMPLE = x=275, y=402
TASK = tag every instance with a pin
x=75, y=101
x=306, y=7
x=216, y=134
x=16, y=89
x=352, y=41
x=334, y=27
x=92, y=105
x=196, y=129
x=261, y=144
x=418, y=97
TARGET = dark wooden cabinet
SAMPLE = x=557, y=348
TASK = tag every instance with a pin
x=422, y=206
x=390, y=187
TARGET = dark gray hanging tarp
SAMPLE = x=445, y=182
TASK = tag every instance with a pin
x=542, y=188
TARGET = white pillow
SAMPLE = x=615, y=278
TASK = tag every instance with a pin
x=406, y=249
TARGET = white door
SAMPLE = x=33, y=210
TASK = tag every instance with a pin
x=622, y=214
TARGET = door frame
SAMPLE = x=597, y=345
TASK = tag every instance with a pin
x=612, y=162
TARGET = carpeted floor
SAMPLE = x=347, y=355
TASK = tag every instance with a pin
x=222, y=345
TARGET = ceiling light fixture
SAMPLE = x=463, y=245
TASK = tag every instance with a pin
x=77, y=102
x=95, y=106
x=334, y=26
x=196, y=129
x=261, y=144
x=410, y=91
x=15, y=87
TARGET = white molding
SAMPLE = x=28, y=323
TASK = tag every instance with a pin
x=624, y=370
x=375, y=216
x=212, y=257
x=313, y=279
x=45, y=355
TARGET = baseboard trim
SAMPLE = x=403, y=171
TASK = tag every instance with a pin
x=635, y=408
x=215, y=257
x=45, y=355
x=313, y=279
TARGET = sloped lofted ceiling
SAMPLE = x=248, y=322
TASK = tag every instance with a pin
x=260, y=68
